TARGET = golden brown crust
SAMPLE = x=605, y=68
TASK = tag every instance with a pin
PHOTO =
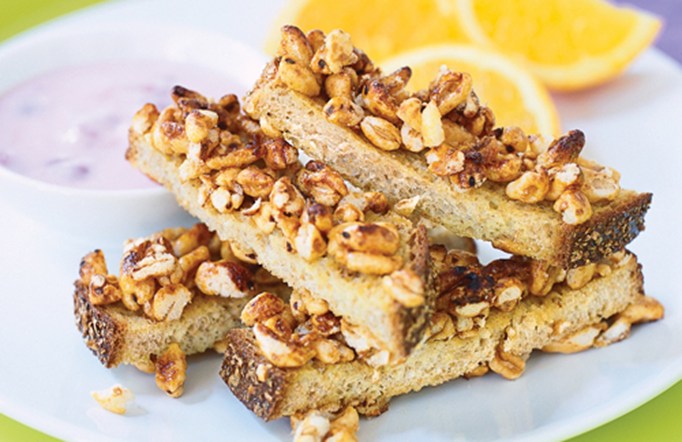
x=608, y=231
x=419, y=260
x=414, y=320
x=102, y=333
x=240, y=372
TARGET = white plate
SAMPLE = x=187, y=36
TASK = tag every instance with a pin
x=46, y=372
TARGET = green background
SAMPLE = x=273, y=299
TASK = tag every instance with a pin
x=657, y=420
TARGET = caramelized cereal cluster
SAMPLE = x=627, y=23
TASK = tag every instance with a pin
x=468, y=290
x=115, y=399
x=170, y=371
x=160, y=274
x=291, y=335
x=246, y=167
x=444, y=122
x=316, y=426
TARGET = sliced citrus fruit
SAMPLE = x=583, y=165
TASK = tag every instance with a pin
x=514, y=95
x=381, y=28
x=567, y=44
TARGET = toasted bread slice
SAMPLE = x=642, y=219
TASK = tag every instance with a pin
x=121, y=331
x=486, y=212
x=272, y=392
x=362, y=298
x=118, y=336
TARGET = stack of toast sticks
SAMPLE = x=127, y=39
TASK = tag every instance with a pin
x=335, y=284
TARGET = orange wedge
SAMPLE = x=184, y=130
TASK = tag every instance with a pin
x=568, y=44
x=381, y=28
x=514, y=95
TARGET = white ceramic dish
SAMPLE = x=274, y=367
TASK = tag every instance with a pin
x=47, y=372
x=120, y=213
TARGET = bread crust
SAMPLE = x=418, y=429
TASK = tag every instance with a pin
x=102, y=334
x=239, y=371
x=533, y=230
x=606, y=232
x=413, y=321
x=316, y=386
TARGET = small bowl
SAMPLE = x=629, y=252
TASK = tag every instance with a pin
x=111, y=216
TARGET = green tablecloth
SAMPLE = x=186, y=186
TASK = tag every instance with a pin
x=657, y=420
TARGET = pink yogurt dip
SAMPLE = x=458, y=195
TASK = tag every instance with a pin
x=70, y=127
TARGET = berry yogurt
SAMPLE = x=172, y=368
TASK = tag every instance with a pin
x=70, y=127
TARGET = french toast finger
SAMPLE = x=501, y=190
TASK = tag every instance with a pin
x=299, y=222
x=161, y=297
x=440, y=147
x=566, y=320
